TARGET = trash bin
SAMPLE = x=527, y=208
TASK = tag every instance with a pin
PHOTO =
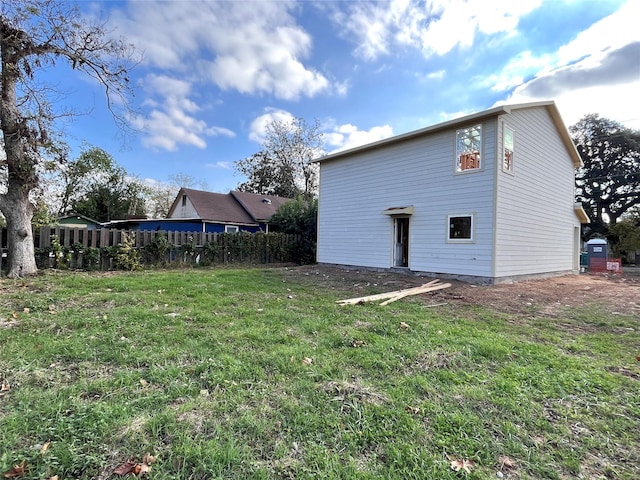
x=584, y=260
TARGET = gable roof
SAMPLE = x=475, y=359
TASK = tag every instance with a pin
x=474, y=117
x=77, y=216
x=212, y=206
x=260, y=207
x=234, y=207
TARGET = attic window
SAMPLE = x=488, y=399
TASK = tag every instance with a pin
x=469, y=148
x=184, y=199
x=267, y=201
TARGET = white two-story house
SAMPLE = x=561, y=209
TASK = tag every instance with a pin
x=488, y=198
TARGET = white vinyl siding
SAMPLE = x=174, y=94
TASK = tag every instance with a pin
x=184, y=209
x=535, y=220
x=355, y=190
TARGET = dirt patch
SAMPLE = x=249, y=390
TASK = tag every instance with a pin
x=616, y=294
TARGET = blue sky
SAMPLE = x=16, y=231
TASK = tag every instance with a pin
x=214, y=73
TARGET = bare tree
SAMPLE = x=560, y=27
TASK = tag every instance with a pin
x=285, y=165
x=36, y=35
x=162, y=194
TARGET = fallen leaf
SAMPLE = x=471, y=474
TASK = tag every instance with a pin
x=143, y=470
x=125, y=469
x=358, y=343
x=464, y=465
x=638, y=358
x=404, y=325
x=4, y=388
x=307, y=361
x=143, y=382
x=16, y=470
x=148, y=459
x=414, y=410
x=26, y=309
x=15, y=315
x=55, y=477
x=45, y=447
x=506, y=462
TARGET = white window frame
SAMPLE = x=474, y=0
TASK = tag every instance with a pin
x=510, y=167
x=231, y=229
x=472, y=229
x=472, y=152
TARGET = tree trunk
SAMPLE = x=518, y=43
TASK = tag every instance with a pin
x=18, y=212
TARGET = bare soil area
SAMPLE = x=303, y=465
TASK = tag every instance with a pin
x=617, y=294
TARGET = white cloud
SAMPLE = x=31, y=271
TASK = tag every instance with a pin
x=251, y=47
x=223, y=165
x=597, y=72
x=172, y=121
x=258, y=129
x=344, y=137
x=514, y=73
x=437, y=75
x=434, y=26
x=614, y=31
x=335, y=137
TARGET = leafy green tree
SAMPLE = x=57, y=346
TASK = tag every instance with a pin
x=624, y=235
x=79, y=176
x=299, y=217
x=35, y=36
x=609, y=183
x=284, y=165
x=112, y=195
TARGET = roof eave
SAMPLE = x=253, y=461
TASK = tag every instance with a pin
x=581, y=213
x=493, y=112
x=564, y=135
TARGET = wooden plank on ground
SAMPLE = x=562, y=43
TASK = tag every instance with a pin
x=432, y=288
x=383, y=296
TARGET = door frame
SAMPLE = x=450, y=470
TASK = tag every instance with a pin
x=400, y=249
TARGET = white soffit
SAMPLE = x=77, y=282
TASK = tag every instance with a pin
x=581, y=213
x=399, y=210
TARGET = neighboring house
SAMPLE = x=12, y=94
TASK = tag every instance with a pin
x=200, y=211
x=488, y=197
x=78, y=221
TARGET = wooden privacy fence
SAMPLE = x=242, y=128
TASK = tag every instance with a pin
x=111, y=237
x=104, y=249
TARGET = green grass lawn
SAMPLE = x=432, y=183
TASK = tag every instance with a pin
x=253, y=374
